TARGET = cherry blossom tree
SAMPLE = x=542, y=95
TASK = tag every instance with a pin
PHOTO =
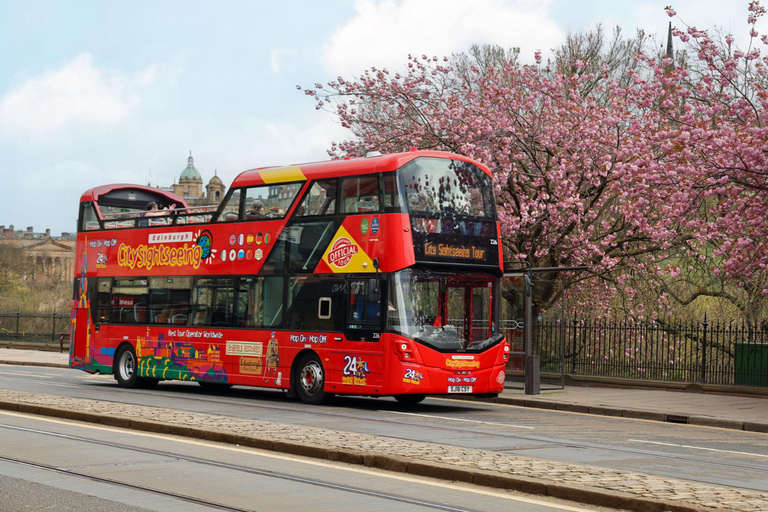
x=716, y=108
x=633, y=173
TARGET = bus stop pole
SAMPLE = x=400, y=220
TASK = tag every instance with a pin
x=531, y=378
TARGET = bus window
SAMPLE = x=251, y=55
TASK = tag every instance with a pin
x=451, y=187
x=306, y=243
x=103, y=298
x=320, y=200
x=214, y=302
x=230, y=211
x=255, y=199
x=281, y=198
x=444, y=311
x=259, y=301
x=169, y=298
x=391, y=193
x=129, y=301
x=270, y=201
x=481, y=302
x=309, y=307
x=88, y=219
x=360, y=195
x=275, y=262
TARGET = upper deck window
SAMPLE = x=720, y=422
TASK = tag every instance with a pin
x=230, y=210
x=360, y=194
x=391, y=193
x=88, y=218
x=320, y=200
x=260, y=202
x=438, y=187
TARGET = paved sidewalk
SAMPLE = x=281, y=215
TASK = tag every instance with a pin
x=581, y=483
x=739, y=412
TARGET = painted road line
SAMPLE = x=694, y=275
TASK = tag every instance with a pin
x=698, y=448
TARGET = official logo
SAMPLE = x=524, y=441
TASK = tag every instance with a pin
x=342, y=252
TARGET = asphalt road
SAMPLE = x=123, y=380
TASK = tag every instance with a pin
x=704, y=454
x=54, y=465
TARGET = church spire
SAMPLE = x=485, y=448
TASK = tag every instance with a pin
x=670, y=54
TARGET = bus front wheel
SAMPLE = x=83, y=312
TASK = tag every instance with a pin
x=310, y=380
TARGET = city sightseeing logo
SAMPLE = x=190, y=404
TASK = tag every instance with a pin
x=148, y=257
x=342, y=252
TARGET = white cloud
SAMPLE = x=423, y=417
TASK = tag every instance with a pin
x=77, y=95
x=384, y=33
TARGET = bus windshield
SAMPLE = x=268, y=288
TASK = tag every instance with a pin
x=447, y=312
x=447, y=188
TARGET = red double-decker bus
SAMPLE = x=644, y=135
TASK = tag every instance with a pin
x=366, y=276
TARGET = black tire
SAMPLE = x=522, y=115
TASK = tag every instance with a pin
x=410, y=399
x=310, y=380
x=126, y=368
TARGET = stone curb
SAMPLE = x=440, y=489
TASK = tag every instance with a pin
x=567, y=490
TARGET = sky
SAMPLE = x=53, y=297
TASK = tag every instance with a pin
x=94, y=92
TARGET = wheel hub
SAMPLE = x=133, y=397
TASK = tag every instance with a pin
x=311, y=378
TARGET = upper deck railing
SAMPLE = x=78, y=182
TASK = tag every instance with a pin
x=177, y=216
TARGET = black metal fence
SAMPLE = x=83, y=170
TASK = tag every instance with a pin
x=33, y=327
x=704, y=352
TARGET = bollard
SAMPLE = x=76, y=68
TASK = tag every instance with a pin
x=533, y=375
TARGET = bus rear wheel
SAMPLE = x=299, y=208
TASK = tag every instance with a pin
x=126, y=368
x=410, y=399
x=310, y=380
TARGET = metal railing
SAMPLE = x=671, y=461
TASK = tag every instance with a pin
x=33, y=327
x=732, y=354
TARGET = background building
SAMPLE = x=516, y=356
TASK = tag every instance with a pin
x=190, y=187
x=54, y=256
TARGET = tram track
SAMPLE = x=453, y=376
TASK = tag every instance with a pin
x=209, y=403
x=205, y=462
x=69, y=472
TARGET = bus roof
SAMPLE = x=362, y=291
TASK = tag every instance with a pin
x=131, y=196
x=370, y=164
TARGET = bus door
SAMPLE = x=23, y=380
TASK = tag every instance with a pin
x=365, y=308
x=466, y=306
x=80, y=339
x=78, y=334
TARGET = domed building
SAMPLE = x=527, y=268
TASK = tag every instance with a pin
x=214, y=190
x=190, y=186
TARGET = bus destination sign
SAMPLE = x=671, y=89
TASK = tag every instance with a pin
x=467, y=252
